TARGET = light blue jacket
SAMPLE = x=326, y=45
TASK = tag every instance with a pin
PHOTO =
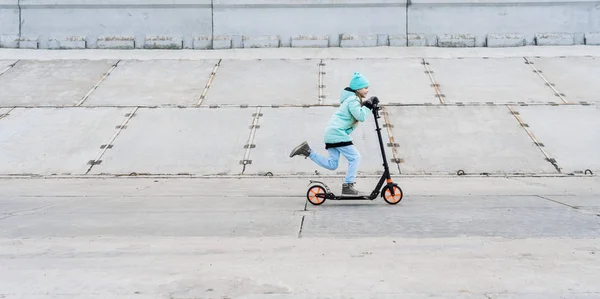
x=343, y=121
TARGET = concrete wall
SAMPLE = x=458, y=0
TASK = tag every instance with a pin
x=310, y=18
x=177, y=21
x=9, y=22
x=482, y=17
x=206, y=24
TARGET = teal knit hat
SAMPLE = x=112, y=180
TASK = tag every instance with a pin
x=358, y=81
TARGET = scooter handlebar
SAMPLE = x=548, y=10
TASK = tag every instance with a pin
x=376, y=108
x=375, y=101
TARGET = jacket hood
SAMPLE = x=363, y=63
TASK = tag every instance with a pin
x=346, y=94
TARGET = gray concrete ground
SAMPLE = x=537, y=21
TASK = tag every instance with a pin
x=257, y=238
x=165, y=174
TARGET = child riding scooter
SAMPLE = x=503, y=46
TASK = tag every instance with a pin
x=353, y=109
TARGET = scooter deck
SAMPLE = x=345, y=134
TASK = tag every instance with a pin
x=351, y=197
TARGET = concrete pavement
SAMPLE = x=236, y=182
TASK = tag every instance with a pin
x=257, y=238
x=165, y=174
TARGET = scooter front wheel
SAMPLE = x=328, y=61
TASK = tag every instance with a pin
x=392, y=199
x=316, y=195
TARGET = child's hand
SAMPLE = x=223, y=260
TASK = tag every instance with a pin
x=372, y=101
x=369, y=103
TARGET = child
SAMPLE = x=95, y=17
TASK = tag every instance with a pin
x=337, y=135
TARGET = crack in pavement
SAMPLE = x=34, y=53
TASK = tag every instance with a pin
x=27, y=211
x=576, y=208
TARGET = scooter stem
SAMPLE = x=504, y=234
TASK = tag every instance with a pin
x=381, y=146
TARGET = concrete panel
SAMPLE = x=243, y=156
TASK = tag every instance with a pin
x=570, y=134
x=115, y=42
x=9, y=41
x=54, y=141
x=356, y=41
x=29, y=42
x=505, y=40
x=163, y=42
x=174, y=141
x=183, y=18
x=554, y=39
x=418, y=40
x=398, y=40
x=265, y=82
x=155, y=82
x=222, y=42
x=592, y=39
x=456, y=40
x=61, y=83
x=67, y=43
x=508, y=217
x=261, y=41
x=288, y=18
x=473, y=139
x=576, y=77
x=392, y=80
x=497, y=17
x=507, y=80
x=143, y=216
x=274, y=144
x=310, y=41
x=203, y=42
x=9, y=18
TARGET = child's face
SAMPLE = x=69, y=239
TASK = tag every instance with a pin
x=363, y=92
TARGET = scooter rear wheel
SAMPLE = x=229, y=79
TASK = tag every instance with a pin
x=316, y=195
x=392, y=199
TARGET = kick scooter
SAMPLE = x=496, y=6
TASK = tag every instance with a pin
x=318, y=191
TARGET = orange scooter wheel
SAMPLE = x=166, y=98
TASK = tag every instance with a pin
x=392, y=199
x=316, y=195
